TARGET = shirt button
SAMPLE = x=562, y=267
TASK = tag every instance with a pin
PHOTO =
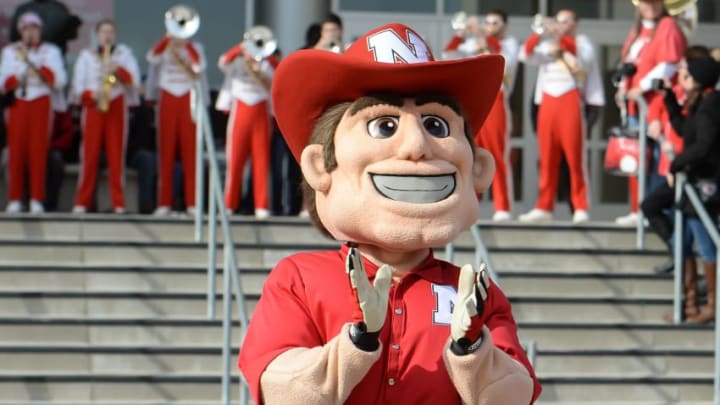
x=396, y=346
x=391, y=381
x=398, y=311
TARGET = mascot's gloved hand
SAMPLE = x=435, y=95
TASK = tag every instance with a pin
x=371, y=302
x=467, y=317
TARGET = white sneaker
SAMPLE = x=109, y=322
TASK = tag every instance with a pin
x=630, y=219
x=304, y=214
x=580, y=217
x=261, y=213
x=162, y=211
x=536, y=216
x=501, y=216
x=119, y=210
x=14, y=207
x=190, y=210
x=36, y=207
x=79, y=209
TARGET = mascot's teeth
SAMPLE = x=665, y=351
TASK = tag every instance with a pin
x=415, y=189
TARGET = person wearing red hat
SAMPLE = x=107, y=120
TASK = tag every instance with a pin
x=568, y=77
x=33, y=72
x=247, y=82
x=106, y=80
x=175, y=66
x=652, y=50
x=383, y=133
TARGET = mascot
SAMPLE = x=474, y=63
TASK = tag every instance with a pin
x=383, y=134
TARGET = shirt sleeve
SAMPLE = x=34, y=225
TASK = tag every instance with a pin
x=283, y=340
x=54, y=63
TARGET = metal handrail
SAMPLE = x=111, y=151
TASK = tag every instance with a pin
x=683, y=187
x=482, y=255
x=642, y=161
x=217, y=210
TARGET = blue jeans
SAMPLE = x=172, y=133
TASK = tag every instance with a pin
x=695, y=232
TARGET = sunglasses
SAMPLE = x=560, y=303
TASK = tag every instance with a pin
x=493, y=21
x=564, y=20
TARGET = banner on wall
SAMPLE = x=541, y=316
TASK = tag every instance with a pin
x=89, y=11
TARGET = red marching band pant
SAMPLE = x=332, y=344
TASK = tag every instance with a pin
x=561, y=133
x=248, y=132
x=176, y=133
x=493, y=136
x=108, y=129
x=28, y=140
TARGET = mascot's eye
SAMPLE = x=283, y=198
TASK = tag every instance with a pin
x=436, y=126
x=383, y=127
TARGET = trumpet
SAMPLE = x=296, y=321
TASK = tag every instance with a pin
x=542, y=25
x=108, y=80
x=459, y=22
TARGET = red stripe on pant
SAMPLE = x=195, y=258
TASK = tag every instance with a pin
x=248, y=132
x=561, y=133
x=108, y=129
x=633, y=187
x=28, y=140
x=176, y=134
x=493, y=137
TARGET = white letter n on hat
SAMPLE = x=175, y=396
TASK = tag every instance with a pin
x=388, y=47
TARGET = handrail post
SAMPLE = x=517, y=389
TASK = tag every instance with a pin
x=642, y=168
x=482, y=255
x=197, y=99
x=712, y=229
x=678, y=250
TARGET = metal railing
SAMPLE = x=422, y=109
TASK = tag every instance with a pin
x=482, y=255
x=683, y=187
x=217, y=211
x=642, y=161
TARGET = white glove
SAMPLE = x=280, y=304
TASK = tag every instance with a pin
x=468, y=316
x=372, y=301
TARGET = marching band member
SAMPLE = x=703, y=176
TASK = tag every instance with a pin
x=248, y=130
x=494, y=135
x=105, y=81
x=33, y=72
x=175, y=65
x=568, y=76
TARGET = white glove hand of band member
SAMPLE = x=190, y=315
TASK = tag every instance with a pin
x=468, y=316
x=372, y=301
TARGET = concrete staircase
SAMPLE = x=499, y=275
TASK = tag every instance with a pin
x=109, y=310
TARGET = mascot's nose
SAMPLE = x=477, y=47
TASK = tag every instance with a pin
x=413, y=142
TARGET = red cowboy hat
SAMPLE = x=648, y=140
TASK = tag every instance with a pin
x=392, y=58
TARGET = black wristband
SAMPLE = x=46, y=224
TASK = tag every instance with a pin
x=464, y=346
x=362, y=339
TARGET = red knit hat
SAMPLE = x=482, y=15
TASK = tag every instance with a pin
x=392, y=58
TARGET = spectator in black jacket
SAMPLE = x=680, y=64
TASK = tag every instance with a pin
x=698, y=122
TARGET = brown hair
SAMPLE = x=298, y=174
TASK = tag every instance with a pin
x=326, y=126
x=104, y=21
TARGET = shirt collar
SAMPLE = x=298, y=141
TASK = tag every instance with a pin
x=429, y=269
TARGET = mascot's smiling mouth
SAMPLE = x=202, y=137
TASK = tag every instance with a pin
x=414, y=189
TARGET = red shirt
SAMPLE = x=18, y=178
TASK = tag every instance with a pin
x=667, y=44
x=306, y=300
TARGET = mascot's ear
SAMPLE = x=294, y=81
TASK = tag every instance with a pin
x=313, y=168
x=483, y=170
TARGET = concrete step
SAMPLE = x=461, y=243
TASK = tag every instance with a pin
x=50, y=278
x=615, y=285
x=618, y=389
x=180, y=254
x=142, y=228
x=619, y=336
x=189, y=280
x=628, y=363
x=112, y=304
x=113, y=388
x=181, y=305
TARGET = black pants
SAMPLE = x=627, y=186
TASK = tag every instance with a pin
x=654, y=207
